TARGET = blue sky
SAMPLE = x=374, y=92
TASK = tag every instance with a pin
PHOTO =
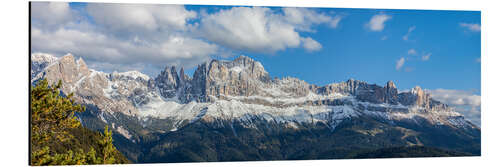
x=437, y=50
x=353, y=51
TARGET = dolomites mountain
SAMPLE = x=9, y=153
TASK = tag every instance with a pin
x=240, y=93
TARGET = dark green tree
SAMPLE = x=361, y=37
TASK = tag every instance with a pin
x=53, y=127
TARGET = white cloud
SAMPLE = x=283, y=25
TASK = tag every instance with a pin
x=259, y=29
x=400, y=63
x=426, y=57
x=148, y=17
x=465, y=102
x=377, y=22
x=412, y=52
x=310, y=44
x=254, y=29
x=97, y=47
x=335, y=21
x=407, y=35
x=384, y=38
x=303, y=18
x=118, y=36
x=478, y=60
x=51, y=13
x=186, y=48
x=456, y=97
x=137, y=19
x=123, y=35
x=471, y=26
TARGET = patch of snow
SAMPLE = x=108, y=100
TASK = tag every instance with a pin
x=43, y=57
x=236, y=69
x=101, y=116
x=124, y=132
x=288, y=100
x=133, y=75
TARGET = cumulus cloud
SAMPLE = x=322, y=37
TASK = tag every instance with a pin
x=377, y=22
x=426, y=56
x=412, y=52
x=335, y=21
x=252, y=29
x=456, y=97
x=400, y=63
x=186, y=48
x=94, y=46
x=465, y=102
x=407, y=35
x=159, y=37
x=310, y=44
x=51, y=13
x=303, y=18
x=471, y=26
x=259, y=29
x=118, y=36
x=130, y=19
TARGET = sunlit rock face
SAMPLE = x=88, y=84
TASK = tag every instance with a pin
x=239, y=91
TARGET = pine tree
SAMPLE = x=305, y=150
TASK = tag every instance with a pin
x=53, y=121
x=108, y=148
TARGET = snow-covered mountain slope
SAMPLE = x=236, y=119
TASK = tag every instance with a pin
x=236, y=91
x=39, y=61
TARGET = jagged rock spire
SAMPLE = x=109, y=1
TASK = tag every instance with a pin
x=168, y=82
x=390, y=93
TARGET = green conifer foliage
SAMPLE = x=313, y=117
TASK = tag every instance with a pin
x=53, y=126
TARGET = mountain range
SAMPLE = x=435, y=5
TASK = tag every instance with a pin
x=234, y=110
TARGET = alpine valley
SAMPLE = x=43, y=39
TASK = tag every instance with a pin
x=235, y=111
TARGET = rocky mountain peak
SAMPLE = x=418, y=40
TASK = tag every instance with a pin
x=232, y=94
x=68, y=58
x=422, y=98
x=391, y=85
x=416, y=96
x=39, y=61
x=67, y=69
x=82, y=67
x=42, y=57
x=390, y=93
x=168, y=82
x=182, y=76
x=243, y=58
x=417, y=90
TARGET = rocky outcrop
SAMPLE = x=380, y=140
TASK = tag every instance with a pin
x=115, y=92
x=211, y=80
x=238, y=90
x=415, y=97
x=240, y=77
x=245, y=77
x=390, y=93
x=219, y=79
x=168, y=82
x=39, y=61
x=67, y=70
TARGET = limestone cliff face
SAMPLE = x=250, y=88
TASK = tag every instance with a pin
x=242, y=79
x=39, y=61
x=168, y=82
x=390, y=93
x=110, y=92
x=234, y=90
x=215, y=79
x=67, y=70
